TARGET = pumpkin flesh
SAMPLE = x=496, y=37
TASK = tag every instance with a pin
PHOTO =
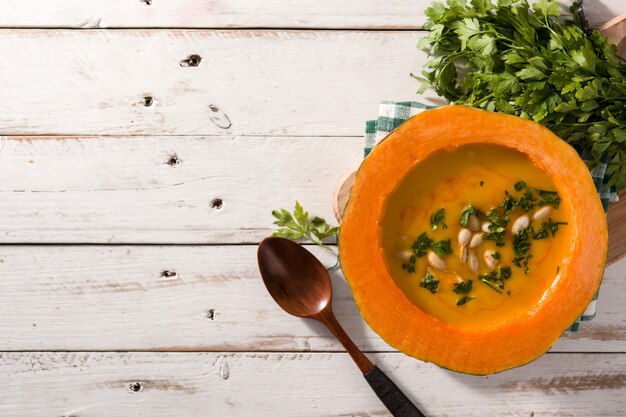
x=472, y=343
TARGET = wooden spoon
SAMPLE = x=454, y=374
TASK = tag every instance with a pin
x=301, y=286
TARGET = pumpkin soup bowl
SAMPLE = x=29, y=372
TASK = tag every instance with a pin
x=472, y=239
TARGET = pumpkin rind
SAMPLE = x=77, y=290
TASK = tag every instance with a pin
x=401, y=323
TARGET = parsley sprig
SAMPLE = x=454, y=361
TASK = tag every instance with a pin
x=528, y=62
x=299, y=226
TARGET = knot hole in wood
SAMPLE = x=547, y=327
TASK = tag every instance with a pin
x=174, y=161
x=147, y=101
x=217, y=203
x=135, y=387
x=191, y=61
x=169, y=275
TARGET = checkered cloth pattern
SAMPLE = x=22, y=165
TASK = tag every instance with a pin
x=392, y=114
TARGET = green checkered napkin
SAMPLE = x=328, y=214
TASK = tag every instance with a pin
x=392, y=114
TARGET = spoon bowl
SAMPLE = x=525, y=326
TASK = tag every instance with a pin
x=295, y=279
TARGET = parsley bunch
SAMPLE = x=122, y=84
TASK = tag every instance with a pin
x=511, y=59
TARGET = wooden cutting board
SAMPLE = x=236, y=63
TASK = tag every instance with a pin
x=615, y=30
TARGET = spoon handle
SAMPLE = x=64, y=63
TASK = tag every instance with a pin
x=328, y=319
x=390, y=395
x=384, y=388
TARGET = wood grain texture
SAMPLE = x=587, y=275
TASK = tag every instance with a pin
x=115, y=298
x=316, y=385
x=319, y=83
x=112, y=190
x=617, y=229
x=404, y=14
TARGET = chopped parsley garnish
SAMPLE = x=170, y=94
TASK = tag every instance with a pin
x=527, y=201
x=495, y=280
x=437, y=219
x=464, y=300
x=497, y=235
x=463, y=287
x=497, y=227
x=521, y=242
x=430, y=282
x=465, y=215
x=496, y=218
x=421, y=245
x=442, y=248
x=520, y=185
x=548, y=228
x=505, y=272
x=410, y=266
x=509, y=203
x=495, y=230
x=520, y=261
x=549, y=197
x=420, y=248
x=494, y=284
x=521, y=246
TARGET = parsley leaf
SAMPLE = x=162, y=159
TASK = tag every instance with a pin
x=438, y=219
x=549, y=197
x=505, y=272
x=421, y=245
x=463, y=287
x=509, y=203
x=495, y=279
x=410, y=266
x=464, y=300
x=548, y=228
x=521, y=242
x=520, y=185
x=497, y=227
x=520, y=261
x=527, y=201
x=298, y=226
x=442, y=248
x=465, y=215
x=430, y=282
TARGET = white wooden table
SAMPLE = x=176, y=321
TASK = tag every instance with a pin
x=118, y=163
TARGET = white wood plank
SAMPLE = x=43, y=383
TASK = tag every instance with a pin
x=257, y=82
x=122, y=190
x=307, y=385
x=111, y=190
x=237, y=13
x=114, y=298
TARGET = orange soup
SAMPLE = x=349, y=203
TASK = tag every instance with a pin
x=475, y=236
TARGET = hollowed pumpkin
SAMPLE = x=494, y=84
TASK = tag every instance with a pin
x=450, y=149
